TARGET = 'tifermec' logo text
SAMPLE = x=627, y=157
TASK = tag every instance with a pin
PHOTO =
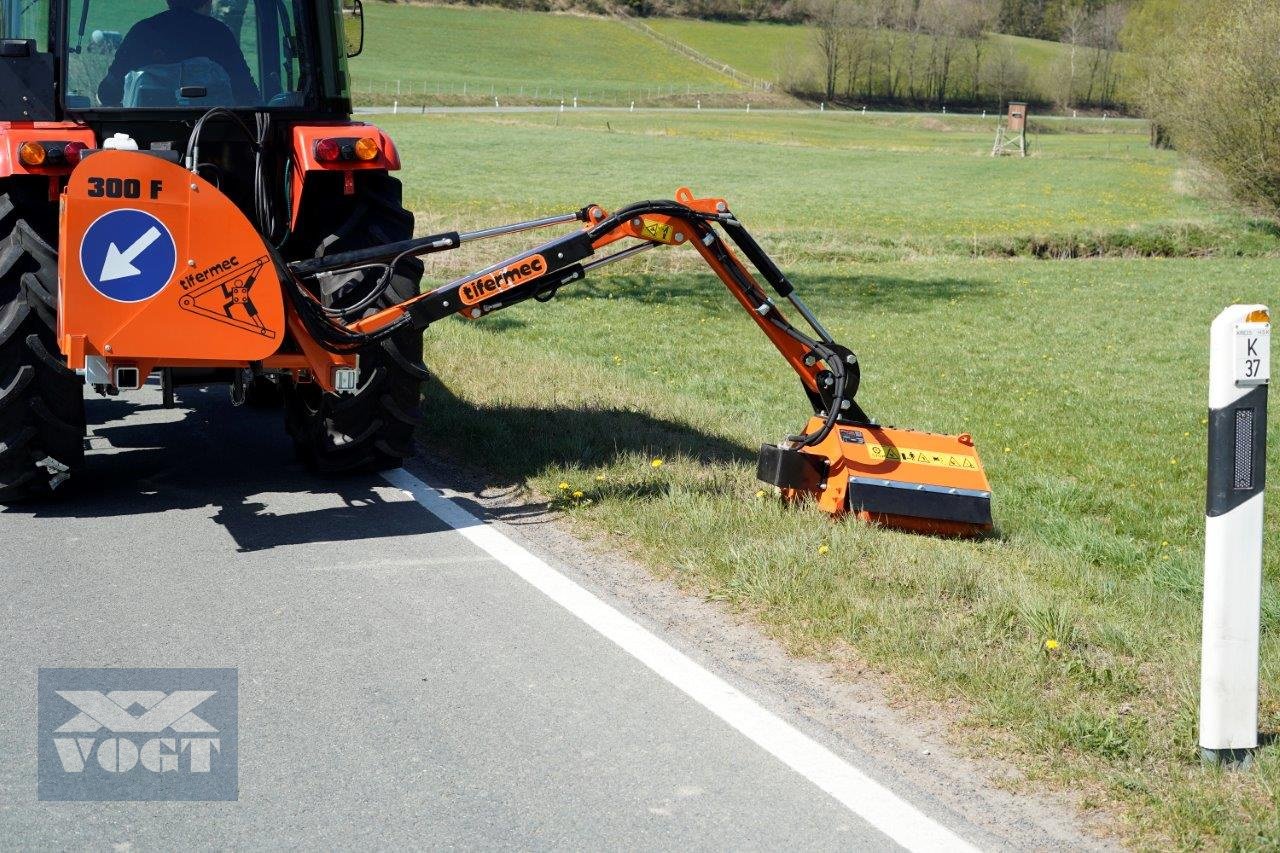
x=506, y=278
x=137, y=734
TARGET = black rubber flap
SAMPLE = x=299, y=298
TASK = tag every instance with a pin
x=880, y=496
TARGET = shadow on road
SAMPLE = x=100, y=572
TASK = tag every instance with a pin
x=147, y=460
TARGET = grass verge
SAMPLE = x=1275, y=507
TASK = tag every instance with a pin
x=1082, y=381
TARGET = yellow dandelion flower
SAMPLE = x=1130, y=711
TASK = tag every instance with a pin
x=564, y=487
x=578, y=493
x=823, y=549
x=657, y=463
x=599, y=478
x=759, y=493
x=1050, y=645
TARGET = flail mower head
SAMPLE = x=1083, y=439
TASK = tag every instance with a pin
x=901, y=478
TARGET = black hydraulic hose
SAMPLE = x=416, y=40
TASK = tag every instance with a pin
x=336, y=262
x=375, y=293
x=331, y=335
x=336, y=337
x=759, y=259
x=833, y=360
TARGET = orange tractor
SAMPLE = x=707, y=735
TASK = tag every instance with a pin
x=183, y=195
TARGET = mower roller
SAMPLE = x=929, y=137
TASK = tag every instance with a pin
x=282, y=261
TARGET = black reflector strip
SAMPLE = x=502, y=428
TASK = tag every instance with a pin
x=1237, y=452
x=890, y=497
x=1244, y=449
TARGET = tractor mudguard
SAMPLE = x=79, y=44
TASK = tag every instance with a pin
x=52, y=137
x=306, y=138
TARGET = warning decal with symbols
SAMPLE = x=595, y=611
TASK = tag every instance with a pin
x=886, y=453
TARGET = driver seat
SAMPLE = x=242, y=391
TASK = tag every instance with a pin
x=162, y=85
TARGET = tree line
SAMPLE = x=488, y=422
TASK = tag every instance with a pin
x=940, y=52
x=1043, y=19
x=1209, y=77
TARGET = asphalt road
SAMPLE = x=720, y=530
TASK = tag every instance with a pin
x=398, y=686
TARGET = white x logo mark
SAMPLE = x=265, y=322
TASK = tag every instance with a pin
x=173, y=710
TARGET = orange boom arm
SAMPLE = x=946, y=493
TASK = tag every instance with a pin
x=842, y=459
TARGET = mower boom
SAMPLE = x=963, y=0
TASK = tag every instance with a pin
x=842, y=460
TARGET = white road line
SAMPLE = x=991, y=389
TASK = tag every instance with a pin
x=862, y=795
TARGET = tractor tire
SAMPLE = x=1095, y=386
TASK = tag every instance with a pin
x=42, y=421
x=370, y=429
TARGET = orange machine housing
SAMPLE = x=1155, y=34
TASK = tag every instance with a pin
x=903, y=478
x=222, y=306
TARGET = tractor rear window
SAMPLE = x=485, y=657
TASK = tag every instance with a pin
x=183, y=54
x=26, y=19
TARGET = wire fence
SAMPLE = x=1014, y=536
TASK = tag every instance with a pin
x=416, y=92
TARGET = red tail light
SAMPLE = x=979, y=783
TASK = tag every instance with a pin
x=328, y=150
x=71, y=152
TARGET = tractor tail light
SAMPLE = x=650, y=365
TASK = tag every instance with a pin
x=32, y=154
x=347, y=149
x=366, y=149
x=327, y=150
x=71, y=152
x=50, y=154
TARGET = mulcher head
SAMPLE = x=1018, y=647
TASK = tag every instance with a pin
x=918, y=481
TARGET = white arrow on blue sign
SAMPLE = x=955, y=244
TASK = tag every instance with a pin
x=128, y=255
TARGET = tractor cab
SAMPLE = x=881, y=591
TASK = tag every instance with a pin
x=89, y=60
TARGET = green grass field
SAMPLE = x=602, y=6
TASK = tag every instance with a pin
x=786, y=52
x=450, y=54
x=433, y=50
x=1083, y=382
x=762, y=50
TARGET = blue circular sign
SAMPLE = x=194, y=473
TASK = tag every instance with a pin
x=128, y=255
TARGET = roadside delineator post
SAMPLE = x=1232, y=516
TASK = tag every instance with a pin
x=1239, y=373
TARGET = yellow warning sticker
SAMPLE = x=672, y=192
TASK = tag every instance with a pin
x=884, y=453
x=654, y=230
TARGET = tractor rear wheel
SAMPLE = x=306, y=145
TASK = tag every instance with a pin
x=372, y=428
x=42, y=422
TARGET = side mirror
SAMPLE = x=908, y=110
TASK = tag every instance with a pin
x=353, y=26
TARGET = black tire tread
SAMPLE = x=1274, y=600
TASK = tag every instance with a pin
x=371, y=429
x=41, y=401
